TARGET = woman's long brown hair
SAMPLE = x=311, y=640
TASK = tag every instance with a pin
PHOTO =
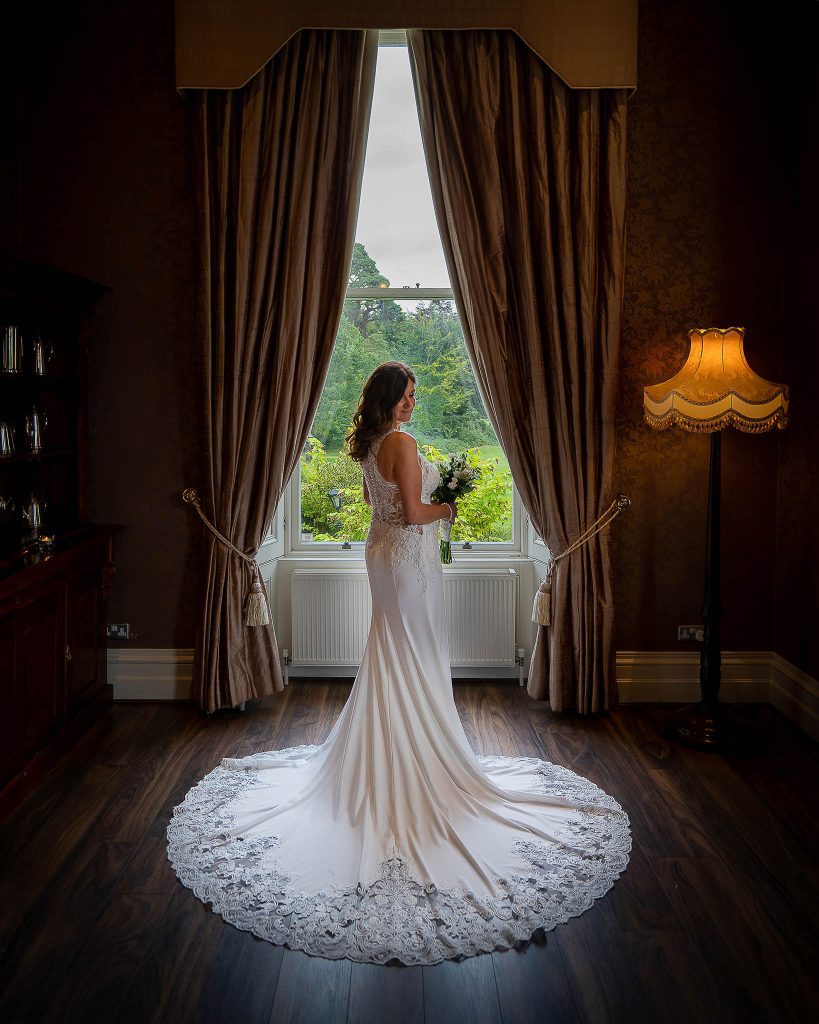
x=383, y=390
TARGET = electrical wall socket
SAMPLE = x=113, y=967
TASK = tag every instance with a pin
x=685, y=633
x=118, y=631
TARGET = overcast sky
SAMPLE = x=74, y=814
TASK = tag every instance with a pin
x=396, y=222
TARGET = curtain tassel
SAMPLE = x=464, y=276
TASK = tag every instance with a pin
x=542, y=608
x=257, y=610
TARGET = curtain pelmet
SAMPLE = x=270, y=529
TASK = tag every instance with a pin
x=280, y=164
x=528, y=182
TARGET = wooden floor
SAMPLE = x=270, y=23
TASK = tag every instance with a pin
x=714, y=920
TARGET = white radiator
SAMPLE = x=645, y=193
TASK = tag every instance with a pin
x=331, y=614
x=331, y=617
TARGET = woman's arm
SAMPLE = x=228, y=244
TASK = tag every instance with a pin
x=407, y=471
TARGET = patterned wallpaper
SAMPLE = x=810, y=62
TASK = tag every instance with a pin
x=702, y=250
x=106, y=194
x=106, y=167
x=797, y=556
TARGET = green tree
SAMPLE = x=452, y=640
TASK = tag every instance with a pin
x=363, y=271
x=364, y=312
x=354, y=358
x=449, y=415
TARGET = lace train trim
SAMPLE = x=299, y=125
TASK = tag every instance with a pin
x=397, y=917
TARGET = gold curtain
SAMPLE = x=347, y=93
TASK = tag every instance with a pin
x=280, y=163
x=529, y=183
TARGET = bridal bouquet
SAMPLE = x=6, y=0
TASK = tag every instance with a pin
x=457, y=479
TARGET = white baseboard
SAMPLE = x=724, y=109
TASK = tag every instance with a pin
x=795, y=694
x=350, y=671
x=161, y=673
x=645, y=676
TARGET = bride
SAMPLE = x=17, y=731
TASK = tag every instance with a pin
x=392, y=840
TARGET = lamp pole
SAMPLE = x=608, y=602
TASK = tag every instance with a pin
x=710, y=660
x=714, y=389
x=705, y=724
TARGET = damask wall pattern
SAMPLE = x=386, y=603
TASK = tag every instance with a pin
x=105, y=193
x=797, y=527
x=702, y=250
x=103, y=166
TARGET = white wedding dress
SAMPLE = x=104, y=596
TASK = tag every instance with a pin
x=392, y=839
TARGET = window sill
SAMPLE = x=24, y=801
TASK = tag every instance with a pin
x=355, y=560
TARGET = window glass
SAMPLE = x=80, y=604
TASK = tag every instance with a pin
x=449, y=418
x=399, y=248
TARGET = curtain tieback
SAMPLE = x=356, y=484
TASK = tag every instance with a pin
x=257, y=608
x=542, y=607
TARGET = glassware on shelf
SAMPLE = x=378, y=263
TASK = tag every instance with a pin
x=35, y=427
x=6, y=439
x=33, y=514
x=11, y=357
x=42, y=352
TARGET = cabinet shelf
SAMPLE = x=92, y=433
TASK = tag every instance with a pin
x=45, y=453
x=35, y=378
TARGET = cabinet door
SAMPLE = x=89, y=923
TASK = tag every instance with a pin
x=40, y=629
x=11, y=719
x=86, y=637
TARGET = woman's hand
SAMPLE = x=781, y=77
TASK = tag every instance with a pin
x=450, y=510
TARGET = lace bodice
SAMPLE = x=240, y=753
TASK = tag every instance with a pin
x=390, y=536
x=385, y=496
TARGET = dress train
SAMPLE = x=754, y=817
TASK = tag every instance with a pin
x=392, y=840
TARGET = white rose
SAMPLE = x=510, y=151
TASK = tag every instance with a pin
x=452, y=485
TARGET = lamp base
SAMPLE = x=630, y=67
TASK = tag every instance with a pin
x=707, y=727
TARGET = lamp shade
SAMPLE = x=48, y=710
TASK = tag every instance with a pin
x=716, y=388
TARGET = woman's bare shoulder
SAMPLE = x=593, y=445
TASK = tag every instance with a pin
x=400, y=443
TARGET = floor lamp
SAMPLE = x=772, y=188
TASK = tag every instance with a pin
x=715, y=389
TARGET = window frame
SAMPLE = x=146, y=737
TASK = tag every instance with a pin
x=521, y=541
x=355, y=549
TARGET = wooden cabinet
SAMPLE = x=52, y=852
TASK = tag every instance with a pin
x=40, y=641
x=55, y=574
x=53, y=678
x=11, y=693
x=86, y=647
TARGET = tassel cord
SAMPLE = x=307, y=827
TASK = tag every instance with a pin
x=191, y=497
x=620, y=504
x=542, y=605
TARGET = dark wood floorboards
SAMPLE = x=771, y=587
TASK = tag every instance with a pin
x=715, y=919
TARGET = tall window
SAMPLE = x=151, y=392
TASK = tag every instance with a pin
x=399, y=306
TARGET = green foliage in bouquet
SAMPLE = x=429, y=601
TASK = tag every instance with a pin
x=459, y=475
x=484, y=508
x=458, y=478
